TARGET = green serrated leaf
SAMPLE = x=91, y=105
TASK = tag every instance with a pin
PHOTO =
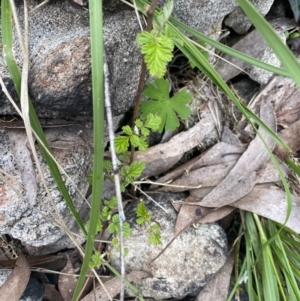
x=167, y=108
x=155, y=227
x=107, y=165
x=96, y=260
x=135, y=140
x=142, y=213
x=153, y=122
x=140, y=220
x=143, y=144
x=126, y=230
x=127, y=130
x=136, y=169
x=139, y=123
x=145, y=132
x=112, y=203
x=121, y=144
x=155, y=238
x=157, y=51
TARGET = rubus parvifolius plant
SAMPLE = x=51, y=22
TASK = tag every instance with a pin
x=157, y=49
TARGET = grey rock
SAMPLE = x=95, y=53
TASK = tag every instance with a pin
x=60, y=71
x=26, y=211
x=254, y=45
x=3, y=275
x=187, y=264
x=203, y=16
x=238, y=21
x=34, y=291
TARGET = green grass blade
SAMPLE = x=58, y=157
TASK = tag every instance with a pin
x=97, y=52
x=228, y=50
x=293, y=166
x=272, y=39
x=7, y=41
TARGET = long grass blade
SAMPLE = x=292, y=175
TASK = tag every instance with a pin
x=96, y=32
x=272, y=39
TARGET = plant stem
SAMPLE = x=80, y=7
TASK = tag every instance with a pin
x=150, y=14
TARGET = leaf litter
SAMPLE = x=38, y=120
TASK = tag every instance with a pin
x=251, y=182
x=15, y=285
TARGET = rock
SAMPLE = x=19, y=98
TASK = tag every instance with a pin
x=204, y=16
x=254, y=45
x=25, y=208
x=187, y=264
x=34, y=291
x=3, y=275
x=60, y=71
x=240, y=23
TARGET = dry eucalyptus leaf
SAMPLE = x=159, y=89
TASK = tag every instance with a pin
x=219, y=153
x=270, y=202
x=217, y=288
x=41, y=261
x=67, y=283
x=158, y=157
x=268, y=174
x=290, y=136
x=189, y=213
x=244, y=175
x=285, y=94
x=14, y=286
x=113, y=287
x=51, y=294
x=202, y=177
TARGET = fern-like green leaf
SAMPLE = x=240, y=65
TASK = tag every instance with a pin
x=153, y=122
x=143, y=146
x=136, y=169
x=142, y=213
x=127, y=130
x=161, y=104
x=155, y=238
x=157, y=51
x=121, y=144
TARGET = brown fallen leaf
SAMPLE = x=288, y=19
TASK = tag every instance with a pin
x=290, y=136
x=244, y=175
x=202, y=177
x=67, y=283
x=14, y=286
x=189, y=212
x=219, y=153
x=113, y=286
x=160, y=155
x=285, y=93
x=270, y=201
x=217, y=288
x=51, y=294
x=37, y=261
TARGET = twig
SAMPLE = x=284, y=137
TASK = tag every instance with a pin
x=116, y=175
x=150, y=14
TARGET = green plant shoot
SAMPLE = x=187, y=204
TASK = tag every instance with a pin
x=156, y=47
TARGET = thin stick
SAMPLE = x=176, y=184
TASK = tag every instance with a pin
x=116, y=176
